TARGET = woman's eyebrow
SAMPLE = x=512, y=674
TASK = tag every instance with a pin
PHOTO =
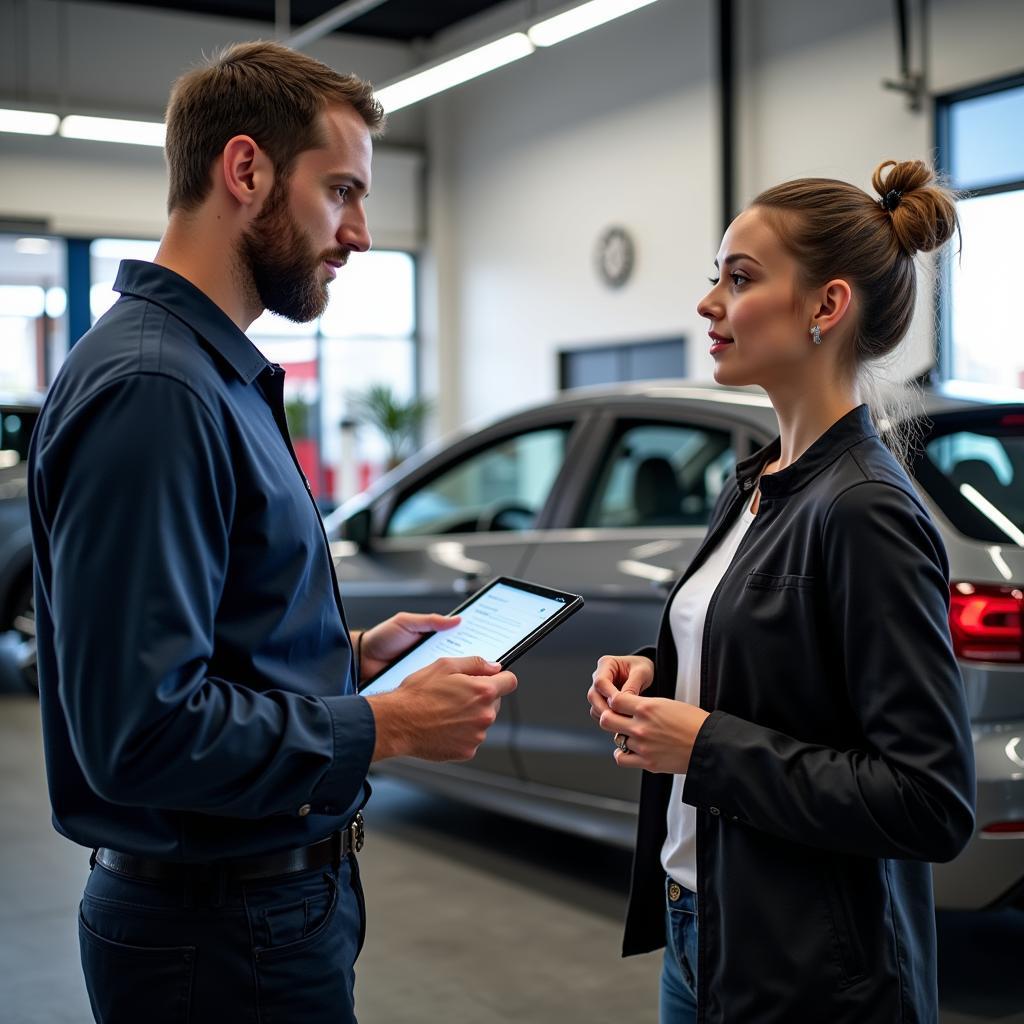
x=738, y=256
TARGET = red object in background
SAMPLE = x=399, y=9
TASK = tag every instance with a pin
x=306, y=453
x=987, y=622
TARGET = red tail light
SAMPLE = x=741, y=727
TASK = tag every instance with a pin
x=1004, y=828
x=987, y=622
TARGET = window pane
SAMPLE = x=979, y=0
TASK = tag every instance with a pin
x=987, y=141
x=988, y=341
x=33, y=300
x=373, y=296
x=350, y=367
x=503, y=487
x=105, y=255
x=662, y=475
x=976, y=477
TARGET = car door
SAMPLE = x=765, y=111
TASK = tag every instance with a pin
x=466, y=516
x=638, y=517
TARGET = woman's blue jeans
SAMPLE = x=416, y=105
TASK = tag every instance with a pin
x=678, y=1000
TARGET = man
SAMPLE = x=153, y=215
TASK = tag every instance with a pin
x=197, y=678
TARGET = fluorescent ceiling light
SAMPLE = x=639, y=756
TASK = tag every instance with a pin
x=455, y=71
x=28, y=122
x=580, y=19
x=32, y=246
x=112, y=129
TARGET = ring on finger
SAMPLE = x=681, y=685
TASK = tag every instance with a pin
x=621, y=740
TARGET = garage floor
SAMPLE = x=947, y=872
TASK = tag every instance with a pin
x=474, y=919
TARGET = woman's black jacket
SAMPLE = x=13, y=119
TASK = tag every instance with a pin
x=837, y=759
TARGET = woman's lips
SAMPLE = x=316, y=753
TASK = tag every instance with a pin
x=718, y=342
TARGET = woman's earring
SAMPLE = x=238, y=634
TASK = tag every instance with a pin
x=816, y=334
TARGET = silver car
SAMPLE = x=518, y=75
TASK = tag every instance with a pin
x=606, y=493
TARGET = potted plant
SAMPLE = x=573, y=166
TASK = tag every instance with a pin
x=398, y=422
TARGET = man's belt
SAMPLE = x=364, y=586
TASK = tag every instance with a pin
x=285, y=862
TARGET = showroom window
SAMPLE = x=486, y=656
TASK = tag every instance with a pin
x=981, y=150
x=33, y=311
x=366, y=337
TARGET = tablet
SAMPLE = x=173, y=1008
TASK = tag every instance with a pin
x=500, y=622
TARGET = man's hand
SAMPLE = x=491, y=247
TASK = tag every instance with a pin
x=442, y=712
x=393, y=637
x=630, y=673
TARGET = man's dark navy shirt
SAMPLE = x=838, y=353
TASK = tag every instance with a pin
x=197, y=683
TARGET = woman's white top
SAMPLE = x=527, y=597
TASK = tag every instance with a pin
x=687, y=617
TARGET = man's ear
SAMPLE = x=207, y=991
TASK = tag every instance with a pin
x=833, y=304
x=247, y=172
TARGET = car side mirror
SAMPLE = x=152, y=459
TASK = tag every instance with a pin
x=357, y=529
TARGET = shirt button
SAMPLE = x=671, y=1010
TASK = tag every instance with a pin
x=714, y=810
x=674, y=892
x=304, y=810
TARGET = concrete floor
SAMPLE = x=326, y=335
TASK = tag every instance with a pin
x=474, y=919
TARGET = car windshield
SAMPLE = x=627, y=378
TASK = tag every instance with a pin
x=972, y=467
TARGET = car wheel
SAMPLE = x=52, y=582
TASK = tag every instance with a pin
x=23, y=631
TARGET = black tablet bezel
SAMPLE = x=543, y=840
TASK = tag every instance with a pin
x=573, y=603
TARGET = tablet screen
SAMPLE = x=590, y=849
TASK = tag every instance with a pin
x=493, y=623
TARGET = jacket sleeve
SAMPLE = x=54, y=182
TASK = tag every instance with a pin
x=906, y=789
x=138, y=491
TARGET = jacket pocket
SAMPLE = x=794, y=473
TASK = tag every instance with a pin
x=847, y=937
x=770, y=581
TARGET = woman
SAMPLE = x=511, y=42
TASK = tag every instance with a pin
x=801, y=723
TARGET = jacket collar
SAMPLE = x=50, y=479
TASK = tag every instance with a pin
x=851, y=429
x=192, y=306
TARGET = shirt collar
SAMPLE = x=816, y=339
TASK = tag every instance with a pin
x=851, y=429
x=195, y=308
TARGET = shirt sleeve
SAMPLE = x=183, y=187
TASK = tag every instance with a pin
x=137, y=486
x=906, y=790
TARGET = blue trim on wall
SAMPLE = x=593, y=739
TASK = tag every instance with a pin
x=79, y=283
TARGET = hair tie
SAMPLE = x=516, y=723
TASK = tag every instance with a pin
x=891, y=200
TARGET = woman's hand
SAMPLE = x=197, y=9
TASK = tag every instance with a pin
x=631, y=673
x=393, y=637
x=658, y=734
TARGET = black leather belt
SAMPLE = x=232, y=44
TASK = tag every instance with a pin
x=286, y=862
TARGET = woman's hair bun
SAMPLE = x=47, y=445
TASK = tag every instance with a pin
x=923, y=212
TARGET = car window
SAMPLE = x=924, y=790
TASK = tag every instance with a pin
x=15, y=431
x=661, y=474
x=976, y=476
x=503, y=487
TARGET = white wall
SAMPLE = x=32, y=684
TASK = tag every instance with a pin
x=812, y=102
x=528, y=166
x=620, y=125
x=122, y=59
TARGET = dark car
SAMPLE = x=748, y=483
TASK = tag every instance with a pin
x=17, y=616
x=607, y=493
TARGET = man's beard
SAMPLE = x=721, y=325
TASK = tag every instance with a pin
x=278, y=264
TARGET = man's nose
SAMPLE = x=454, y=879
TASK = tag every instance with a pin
x=354, y=232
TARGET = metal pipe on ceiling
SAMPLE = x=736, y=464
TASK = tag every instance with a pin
x=328, y=22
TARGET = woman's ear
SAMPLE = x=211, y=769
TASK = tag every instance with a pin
x=833, y=303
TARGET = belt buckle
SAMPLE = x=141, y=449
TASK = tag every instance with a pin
x=357, y=832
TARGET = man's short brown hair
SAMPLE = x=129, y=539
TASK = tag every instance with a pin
x=261, y=89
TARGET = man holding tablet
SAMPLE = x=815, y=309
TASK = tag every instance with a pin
x=202, y=730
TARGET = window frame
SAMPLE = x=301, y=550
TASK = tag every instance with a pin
x=468, y=448
x=943, y=119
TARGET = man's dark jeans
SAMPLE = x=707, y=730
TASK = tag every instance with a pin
x=261, y=952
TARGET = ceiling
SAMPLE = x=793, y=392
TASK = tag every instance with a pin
x=400, y=20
